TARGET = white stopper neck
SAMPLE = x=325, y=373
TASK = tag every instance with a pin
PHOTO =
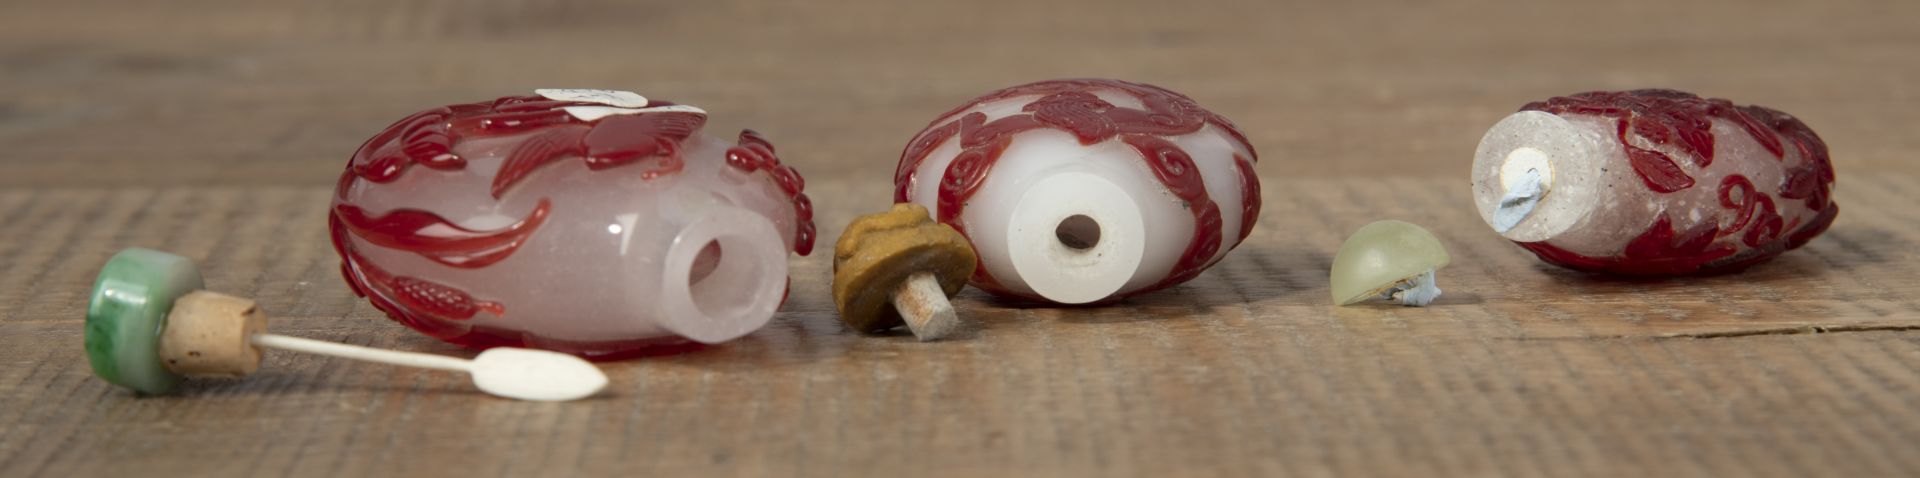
x=1075, y=237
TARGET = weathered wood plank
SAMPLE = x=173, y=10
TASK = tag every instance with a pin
x=1522, y=369
x=213, y=129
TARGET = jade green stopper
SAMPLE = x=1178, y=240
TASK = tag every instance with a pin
x=127, y=313
x=1388, y=259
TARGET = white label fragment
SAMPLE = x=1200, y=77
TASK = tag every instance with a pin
x=623, y=99
x=594, y=113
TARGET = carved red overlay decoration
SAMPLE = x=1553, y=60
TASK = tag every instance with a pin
x=1178, y=173
x=418, y=139
x=1683, y=123
x=1674, y=119
x=651, y=139
x=439, y=310
x=1658, y=251
x=426, y=138
x=612, y=142
x=1250, y=195
x=407, y=299
x=436, y=238
x=755, y=153
x=1071, y=106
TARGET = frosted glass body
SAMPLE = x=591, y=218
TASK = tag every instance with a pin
x=623, y=258
x=1609, y=202
x=1655, y=182
x=1085, y=159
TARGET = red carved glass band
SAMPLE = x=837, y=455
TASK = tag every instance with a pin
x=593, y=222
x=1653, y=182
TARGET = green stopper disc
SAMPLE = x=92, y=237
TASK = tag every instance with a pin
x=128, y=311
x=1381, y=255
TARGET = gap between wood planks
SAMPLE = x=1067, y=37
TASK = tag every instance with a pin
x=1733, y=334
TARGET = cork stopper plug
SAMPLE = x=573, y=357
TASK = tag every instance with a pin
x=901, y=267
x=210, y=334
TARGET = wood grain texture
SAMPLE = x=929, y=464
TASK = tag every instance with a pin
x=214, y=130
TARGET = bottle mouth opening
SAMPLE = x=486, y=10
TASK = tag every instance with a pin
x=1078, y=232
x=724, y=277
x=1076, y=237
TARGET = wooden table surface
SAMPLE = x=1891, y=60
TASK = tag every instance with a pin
x=214, y=129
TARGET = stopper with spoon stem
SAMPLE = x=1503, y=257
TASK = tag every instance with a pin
x=149, y=324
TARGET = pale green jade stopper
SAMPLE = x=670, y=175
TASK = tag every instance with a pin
x=127, y=313
x=1388, y=259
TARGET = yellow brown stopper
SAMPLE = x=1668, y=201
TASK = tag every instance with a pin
x=879, y=253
